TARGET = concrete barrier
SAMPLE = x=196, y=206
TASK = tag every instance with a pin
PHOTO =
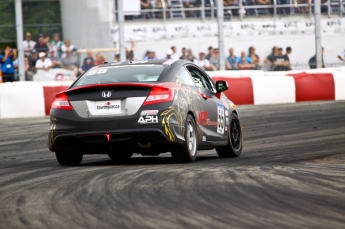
x=33, y=99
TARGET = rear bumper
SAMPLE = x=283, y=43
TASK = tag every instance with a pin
x=139, y=141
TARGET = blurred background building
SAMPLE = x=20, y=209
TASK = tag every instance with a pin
x=157, y=25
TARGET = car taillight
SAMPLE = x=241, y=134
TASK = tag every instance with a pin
x=159, y=95
x=61, y=102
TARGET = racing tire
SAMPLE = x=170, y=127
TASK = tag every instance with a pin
x=235, y=139
x=120, y=156
x=68, y=158
x=188, y=151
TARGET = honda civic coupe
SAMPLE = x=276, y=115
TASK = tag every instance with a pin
x=144, y=107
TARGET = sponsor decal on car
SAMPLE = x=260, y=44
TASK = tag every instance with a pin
x=93, y=72
x=209, y=122
x=226, y=128
x=226, y=113
x=227, y=121
x=148, y=119
x=221, y=119
x=108, y=106
x=204, y=138
x=149, y=112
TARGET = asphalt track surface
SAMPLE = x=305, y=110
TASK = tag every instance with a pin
x=291, y=175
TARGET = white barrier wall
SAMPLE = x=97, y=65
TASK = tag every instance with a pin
x=21, y=99
x=33, y=99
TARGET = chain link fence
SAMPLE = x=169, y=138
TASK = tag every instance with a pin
x=39, y=16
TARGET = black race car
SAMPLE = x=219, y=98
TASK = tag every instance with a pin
x=146, y=107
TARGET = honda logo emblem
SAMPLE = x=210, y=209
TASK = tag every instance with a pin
x=106, y=94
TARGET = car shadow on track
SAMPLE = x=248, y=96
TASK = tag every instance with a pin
x=146, y=161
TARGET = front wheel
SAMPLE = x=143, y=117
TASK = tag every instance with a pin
x=235, y=139
x=188, y=151
x=68, y=158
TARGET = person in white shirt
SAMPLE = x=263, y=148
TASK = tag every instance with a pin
x=28, y=44
x=204, y=63
x=174, y=56
x=341, y=55
x=43, y=62
x=67, y=46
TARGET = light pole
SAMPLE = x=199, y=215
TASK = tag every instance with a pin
x=318, y=47
x=220, y=19
x=19, y=28
x=121, y=21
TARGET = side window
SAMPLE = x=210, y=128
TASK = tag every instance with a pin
x=201, y=80
x=184, y=76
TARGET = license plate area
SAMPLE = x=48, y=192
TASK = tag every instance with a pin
x=106, y=107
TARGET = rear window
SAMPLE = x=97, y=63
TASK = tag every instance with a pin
x=126, y=73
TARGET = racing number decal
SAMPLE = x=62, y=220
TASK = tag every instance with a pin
x=220, y=117
x=101, y=71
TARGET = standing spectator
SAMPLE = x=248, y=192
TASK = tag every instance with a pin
x=87, y=65
x=7, y=66
x=341, y=55
x=184, y=54
x=100, y=59
x=89, y=58
x=254, y=57
x=67, y=46
x=190, y=55
x=281, y=62
x=192, y=4
x=288, y=51
x=130, y=52
x=270, y=58
x=174, y=56
x=168, y=53
x=69, y=63
x=146, y=56
x=28, y=44
x=56, y=44
x=29, y=70
x=152, y=55
x=43, y=62
x=283, y=10
x=210, y=53
x=204, y=63
x=302, y=9
x=160, y=6
x=227, y=3
x=312, y=61
x=55, y=59
x=41, y=45
x=214, y=60
x=245, y=62
x=231, y=61
x=264, y=3
x=146, y=5
x=117, y=58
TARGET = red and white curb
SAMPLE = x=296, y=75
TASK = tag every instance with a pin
x=33, y=99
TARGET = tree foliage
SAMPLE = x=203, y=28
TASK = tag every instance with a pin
x=39, y=16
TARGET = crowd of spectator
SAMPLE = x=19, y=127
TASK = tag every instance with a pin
x=277, y=60
x=231, y=7
x=46, y=54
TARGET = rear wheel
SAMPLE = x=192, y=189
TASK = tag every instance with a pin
x=68, y=158
x=120, y=156
x=235, y=139
x=188, y=151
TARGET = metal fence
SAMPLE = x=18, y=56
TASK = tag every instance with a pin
x=204, y=9
x=39, y=16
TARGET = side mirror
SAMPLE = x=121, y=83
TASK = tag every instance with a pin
x=221, y=85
